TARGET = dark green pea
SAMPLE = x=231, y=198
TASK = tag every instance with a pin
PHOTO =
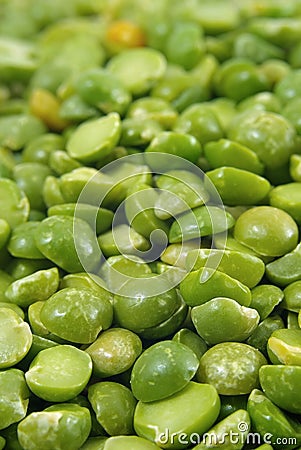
x=223, y=319
x=5, y=280
x=284, y=347
x=231, y=367
x=64, y=427
x=287, y=197
x=114, y=351
x=205, y=284
x=258, y=50
x=95, y=443
x=18, y=130
x=114, y=406
x=5, y=232
x=2, y=442
x=64, y=240
x=269, y=420
x=175, y=143
x=14, y=397
x=232, y=403
x=60, y=162
x=162, y=370
x=33, y=288
x=264, y=299
x=285, y=270
x=128, y=443
x=280, y=385
x=137, y=133
x=259, y=338
x=200, y=121
x=14, y=204
x=22, y=241
x=295, y=167
x=122, y=239
x=77, y=315
x=267, y=230
x=51, y=375
x=192, y=340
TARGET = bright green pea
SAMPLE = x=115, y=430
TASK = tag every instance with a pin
x=291, y=111
x=128, y=443
x=232, y=244
x=264, y=101
x=295, y=167
x=2, y=442
x=176, y=254
x=114, y=406
x=162, y=370
x=283, y=31
x=13, y=398
x=15, y=338
x=247, y=269
x=223, y=319
x=183, y=145
x=287, y=197
x=51, y=375
x=174, y=82
x=60, y=162
x=137, y=133
x=21, y=267
x=114, y=351
x=94, y=443
x=22, y=241
x=264, y=299
x=153, y=108
x=14, y=204
x=191, y=340
x=200, y=121
x=34, y=319
x=192, y=94
x=231, y=367
x=228, y=153
x=287, y=269
x=94, y=139
x=122, y=239
x=275, y=70
x=39, y=343
x=138, y=69
x=68, y=242
x=75, y=109
x=292, y=297
x=268, y=419
x=14, y=307
x=281, y=385
x=18, y=130
x=64, y=427
x=284, y=347
x=201, y=221
x=77, y=315
x=267, y=230
x=85, y=280
x=248, y=45
x=205, y=284
x=289, y=87
x=260, y=336
x=18, y=60
x=161, y=422
x=35, y=287
x=52, y=194
x=292, y=321
x=103, y=90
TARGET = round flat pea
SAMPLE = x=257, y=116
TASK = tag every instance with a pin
x=22, y=243
x=94, y=139
x=231, y=367
x=14, y=204
x=287, y=197
x=153, y=108
x=178, y=144
x=192, y=340
x=285, y=271
x=51, y=375
x=162, y=370
x=265, y=298
x=14, y=396
x=15, y=338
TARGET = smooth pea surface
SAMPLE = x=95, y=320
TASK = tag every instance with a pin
x=14, y=397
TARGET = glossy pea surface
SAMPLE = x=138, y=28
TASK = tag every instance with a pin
x=14, y=397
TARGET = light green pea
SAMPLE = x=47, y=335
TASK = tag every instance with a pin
x=284, y=347
x=246, y=268
x=14, y=397
x=75, y=109
x=179, y=144
x=287, y=269
x=14, y=307
x=223, y=319
x=14, y=204
x=280, y=385
x=60, y=162
x=176, y=254
x=18, y=61
x=114, y=406
x=153, y=108
x=267, y=230
x=94, y=443
x=265, y=298
x=231, y=367
x=77, y=315
x=18, y=130
x=292, y=297
x=64, y=427
x=138, y=69
x=248, y=45
x=15, y=338
x=232, y=244
x=161, y=423
x=174, y=82
x=291, y=111
x=85, y=280
x=51, y=375
x=289, y=87
x=229, y=153
x=21, y=267
x=51, y=191
x=122, y=239
x=295, y=167
x=283, y=31
x=191, y=340
x=137, y=133
x=192, y=94
x=205, y=284
x=264, y=101
x=275, y=70
x=259, y=338
x=128, y=443
x=35, y=287
x=39, y=343
x=4, y=233
x=22, y=241
x=287, y=198
x=34, y=319
x=40, y=148
x=94, y=139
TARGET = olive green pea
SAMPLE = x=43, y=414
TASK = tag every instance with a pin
x=232, y=403
x=280, y=384
x=51, y=375
x=114, y=351
x=153, y=108
x=22, y=241
x=14, y=397
x=231, y=367
x=94, y=443
x=35, y=287
x=14, y=307
x=77, y=314
x=17, y=130
x=220, y=434
x=192, y=340
x=39, y=343
x=5, y=280
x=22, y=267
x=260, y=336
x=223, y=319
x=94, y=139
x=199, y=121
x=164, y=421
x=205, y=284
x=52, y=194
x=60, y=162
x=128, y=443
x=295, y=167
x=85, y=280
x=292, y=321
x=64, y=427
x=4, y=233
x=229, y=153
x=287, y=197
x=247, y=269
x=176, y=143
x=40, y=148
x=267, y=418
x=285, y=270
x=114, y=406
x=137, y=133
x=264, y=101
x=248, y=45
x=267, y=230
x=2, y=442
x=15, y=338
x=68, y=242
x=176, y=254
x=265, y=298
x=34, y=319
x=284, y=347
x=162, y=370
x=233, y=185
x=122, y=239
x=14, y=204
